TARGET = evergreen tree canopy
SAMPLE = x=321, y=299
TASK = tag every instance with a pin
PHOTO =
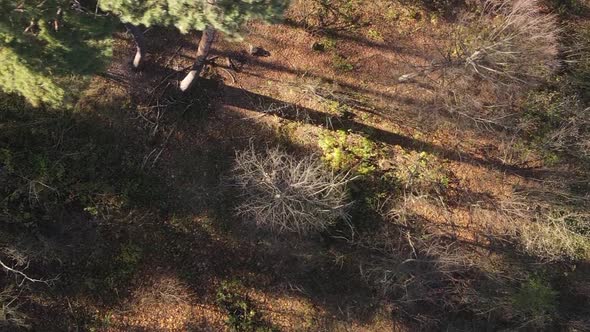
x=47, y=45
x=223, y=15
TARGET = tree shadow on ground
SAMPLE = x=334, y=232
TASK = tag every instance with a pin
x=260, y=103
x=301, y=267
x=104, y=261
x=360, y=39
x=185, y=226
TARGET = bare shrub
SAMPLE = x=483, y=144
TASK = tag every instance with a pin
x=428, y=281
x=421, y=265
x=515, y=41
x=429, y=272
x=421, y=269
x=285, y=194
x=421, y=172
x=577, y=59
x=572, y=135
x=509, y=40
x=554, y=240
x=492, y=58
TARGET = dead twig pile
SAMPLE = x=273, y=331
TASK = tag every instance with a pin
x=285, y=194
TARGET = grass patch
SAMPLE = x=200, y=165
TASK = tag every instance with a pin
x=62, y=175
x=536, y=301
x=340, y=63
x=421, y=172
x=242, y=316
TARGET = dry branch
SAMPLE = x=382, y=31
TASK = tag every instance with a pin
x=284, y=194
x=511, y=41
x=21, y=274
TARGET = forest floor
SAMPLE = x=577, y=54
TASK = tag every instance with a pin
x=178, y=248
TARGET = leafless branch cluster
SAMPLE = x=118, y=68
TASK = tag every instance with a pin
x=515, y=41
x=15, y=263
x=508, y=41
x=21, y=275
x=20, y=263
x=493, y=57
x=285, y=194
x=573, y=135
x=418, y=265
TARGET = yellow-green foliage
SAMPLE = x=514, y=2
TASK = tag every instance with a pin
x=225, y=15
x=45, y=56
x=375, y=35
x=130, y=255
x=329, y=43
x=535, y=300
x=336, y=107
x=17, y=77
x=404, y=14
x=124, y=265
x=328, y=15
x=420, y=171
x=333, y=148
x=241, y=313
x=343, y=151
x=340, y=63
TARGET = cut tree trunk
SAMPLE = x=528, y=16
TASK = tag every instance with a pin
x=139, y=44
x=202, y=53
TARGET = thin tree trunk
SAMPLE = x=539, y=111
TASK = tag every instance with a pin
x=202, y=53
x=139, y=44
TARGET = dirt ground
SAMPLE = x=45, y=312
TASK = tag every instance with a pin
x=194, y=244
x=240, y=114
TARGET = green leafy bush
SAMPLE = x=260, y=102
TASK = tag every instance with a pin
x=342, y=151
x=535, y=300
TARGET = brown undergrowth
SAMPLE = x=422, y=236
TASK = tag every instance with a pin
x=456, y=223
